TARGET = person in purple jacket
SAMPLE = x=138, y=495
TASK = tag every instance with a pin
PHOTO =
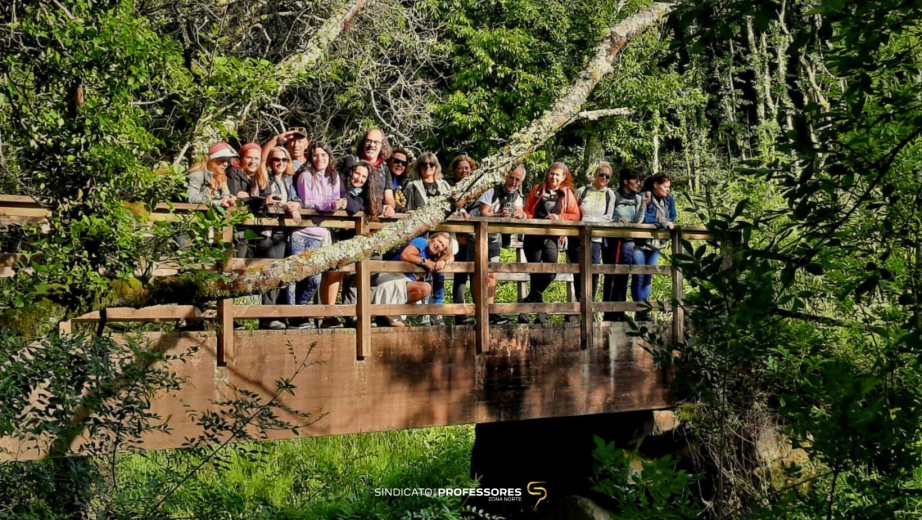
x=318, y=185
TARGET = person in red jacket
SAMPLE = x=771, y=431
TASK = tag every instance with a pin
x=553, y=199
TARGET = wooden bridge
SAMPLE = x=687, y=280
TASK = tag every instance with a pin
x=372, y=379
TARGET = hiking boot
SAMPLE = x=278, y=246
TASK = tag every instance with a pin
x=497, y=319
x=436, y=320
x=277, y=325
x=573, y=318
x=330, y=323
x=541, y=317
x=468, y=320
x=525, y=318
x=424, y=320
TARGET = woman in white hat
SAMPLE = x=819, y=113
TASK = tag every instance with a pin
x=208, y=178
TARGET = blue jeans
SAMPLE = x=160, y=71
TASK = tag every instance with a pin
x=303, y=292
x=438, y=288
x=642, y=284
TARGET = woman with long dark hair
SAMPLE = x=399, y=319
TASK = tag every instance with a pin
x=658, y=207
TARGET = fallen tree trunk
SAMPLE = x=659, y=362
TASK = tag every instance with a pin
x=202, y=286
x=287, y=71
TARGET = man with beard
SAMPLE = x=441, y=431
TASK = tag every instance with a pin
x=374, y=148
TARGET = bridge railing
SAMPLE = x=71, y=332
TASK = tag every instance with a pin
x=15, y=209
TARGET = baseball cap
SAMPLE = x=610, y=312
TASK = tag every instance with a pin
x=299, y=131
x=221, y=151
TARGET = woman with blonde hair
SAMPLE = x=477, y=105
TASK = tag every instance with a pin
x=207, y=183
x=283, y=199
x=426, y=182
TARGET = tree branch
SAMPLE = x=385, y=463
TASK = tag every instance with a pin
x=288, y=70
x=199, y=286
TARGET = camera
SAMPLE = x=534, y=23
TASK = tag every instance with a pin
x=510, y=207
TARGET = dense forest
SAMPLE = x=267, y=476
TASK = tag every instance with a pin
x=793, y=129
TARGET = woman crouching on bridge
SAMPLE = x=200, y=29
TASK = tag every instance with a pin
x=658, y=207
x=318, y=185
x=553, y=199
x=398, y=288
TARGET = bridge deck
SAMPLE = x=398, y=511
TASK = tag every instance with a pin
x=413, y=378
x=370, y=379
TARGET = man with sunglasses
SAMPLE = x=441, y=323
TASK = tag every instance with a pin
x=597, y=203
x=295, y=141
x=504, y=201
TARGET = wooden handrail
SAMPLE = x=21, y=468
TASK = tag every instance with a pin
x=27, y=209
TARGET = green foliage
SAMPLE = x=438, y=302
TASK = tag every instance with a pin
x=324, y=477
x=655, y=490
x=510, y=61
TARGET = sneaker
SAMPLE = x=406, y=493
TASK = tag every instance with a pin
x=330, y=323
x=468, y=320
x=277, y=325
x=436, y=320
x=303, y=324
x=424, y=320
x=497, y=319
x=525, y=318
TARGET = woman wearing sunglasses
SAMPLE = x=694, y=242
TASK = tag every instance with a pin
x=283, y=198
x=628, y=204
x=426, y=182
x=399, y=164
x=597, y=204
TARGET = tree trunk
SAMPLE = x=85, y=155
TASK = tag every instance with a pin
x=594, y=152
x=209, y=131
x=199, y=286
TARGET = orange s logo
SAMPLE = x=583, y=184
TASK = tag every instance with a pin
x=535, y=491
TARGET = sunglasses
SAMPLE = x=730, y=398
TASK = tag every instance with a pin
x=398, y=161
x=278, y=160
x=427, y=164
x=604, y=176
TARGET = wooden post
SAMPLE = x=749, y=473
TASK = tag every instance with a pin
x=225, y=308
x=521, y=287
x=585, y=269
x=481, y=267
x=363, y=303
x=225, y=331
x=678, y=290
x=64, y=327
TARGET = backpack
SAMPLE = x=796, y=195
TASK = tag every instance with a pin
x=579, y=199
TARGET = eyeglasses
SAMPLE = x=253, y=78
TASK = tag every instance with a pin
x=606, y=176
x=427, y=164
x=399, y=162
x=278, y=160
x=376, y=143
x=515, y=179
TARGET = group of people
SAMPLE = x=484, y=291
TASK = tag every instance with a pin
x=291, y=172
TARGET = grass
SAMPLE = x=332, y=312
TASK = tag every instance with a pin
x=324, y=477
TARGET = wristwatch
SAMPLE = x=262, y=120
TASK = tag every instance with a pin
x=422, y=262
